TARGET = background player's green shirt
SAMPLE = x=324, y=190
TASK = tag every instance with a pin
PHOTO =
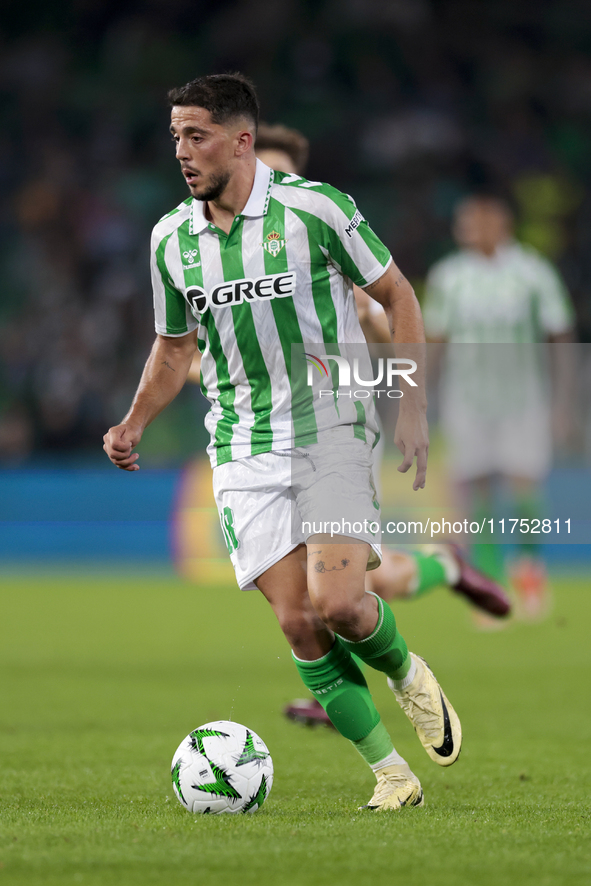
x=283, y=275
x=514, y=296
x=514, y=300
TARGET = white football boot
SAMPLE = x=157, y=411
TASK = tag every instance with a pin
x=434, y=719
x=396, y=787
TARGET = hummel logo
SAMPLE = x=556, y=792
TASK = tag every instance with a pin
x=190, y=255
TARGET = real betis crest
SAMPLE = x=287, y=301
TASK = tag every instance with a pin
x=274, y=243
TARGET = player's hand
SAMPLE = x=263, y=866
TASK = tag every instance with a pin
x=412, y=438
x=119, y=443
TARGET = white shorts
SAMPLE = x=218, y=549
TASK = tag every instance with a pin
x=511, y=445
x=273, y=502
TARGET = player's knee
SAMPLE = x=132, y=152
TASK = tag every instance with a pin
x=338, y=614
x=297, y=625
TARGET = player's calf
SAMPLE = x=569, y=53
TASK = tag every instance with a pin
x=414, y=685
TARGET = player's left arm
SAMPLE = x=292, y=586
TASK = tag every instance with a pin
x=360, y=255
x=372, y=318
x=557, y=318
x=395, y=294
x=393, y=291
x=194, y=373
x=563, y=369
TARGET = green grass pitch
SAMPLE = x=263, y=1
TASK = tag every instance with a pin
x=103, y=676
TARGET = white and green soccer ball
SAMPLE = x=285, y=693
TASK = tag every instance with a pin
x=222, y=767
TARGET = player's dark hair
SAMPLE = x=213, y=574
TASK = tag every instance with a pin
x=225, y=96
x=290, y=141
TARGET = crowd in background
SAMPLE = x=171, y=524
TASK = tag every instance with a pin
x=408, y=104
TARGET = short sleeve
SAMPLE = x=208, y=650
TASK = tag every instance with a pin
x=344, y=234
x=172, y=314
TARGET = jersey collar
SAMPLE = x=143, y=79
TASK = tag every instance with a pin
x=257, y=204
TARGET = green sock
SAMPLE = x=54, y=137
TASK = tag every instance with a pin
x=430, y=573
x=340, y=687
x=486, y=555
x=529, y=507
x=360, y=664
x=384, y=649
x=376, y=746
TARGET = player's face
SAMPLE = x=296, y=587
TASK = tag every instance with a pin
x=482, y=225
x=205, y=150
x=278, y=160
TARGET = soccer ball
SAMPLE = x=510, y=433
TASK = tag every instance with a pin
x=222, y=767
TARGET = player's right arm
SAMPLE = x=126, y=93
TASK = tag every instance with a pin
x=164, y=375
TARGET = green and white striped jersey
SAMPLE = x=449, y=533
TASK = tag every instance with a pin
x=283, y=275
x=515, y=300
x=514, y=296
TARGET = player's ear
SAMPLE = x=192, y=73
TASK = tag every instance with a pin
x=244, y=141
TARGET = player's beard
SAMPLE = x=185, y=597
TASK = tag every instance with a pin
x=215, y=187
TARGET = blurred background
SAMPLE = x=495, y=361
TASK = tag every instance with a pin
x=408, y=104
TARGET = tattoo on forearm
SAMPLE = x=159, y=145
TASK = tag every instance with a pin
x=166, y=363
x=321, y=567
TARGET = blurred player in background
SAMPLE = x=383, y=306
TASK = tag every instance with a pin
x=494, y=404
x=401, y=574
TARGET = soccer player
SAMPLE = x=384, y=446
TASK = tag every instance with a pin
x=221, y=286
x=495, y=290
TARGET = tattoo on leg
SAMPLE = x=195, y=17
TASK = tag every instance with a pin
x=311, y=554
x=321, y=567
x=166, y=363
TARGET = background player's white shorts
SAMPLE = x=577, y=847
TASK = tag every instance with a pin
x=271, y=503
x=516, y=445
